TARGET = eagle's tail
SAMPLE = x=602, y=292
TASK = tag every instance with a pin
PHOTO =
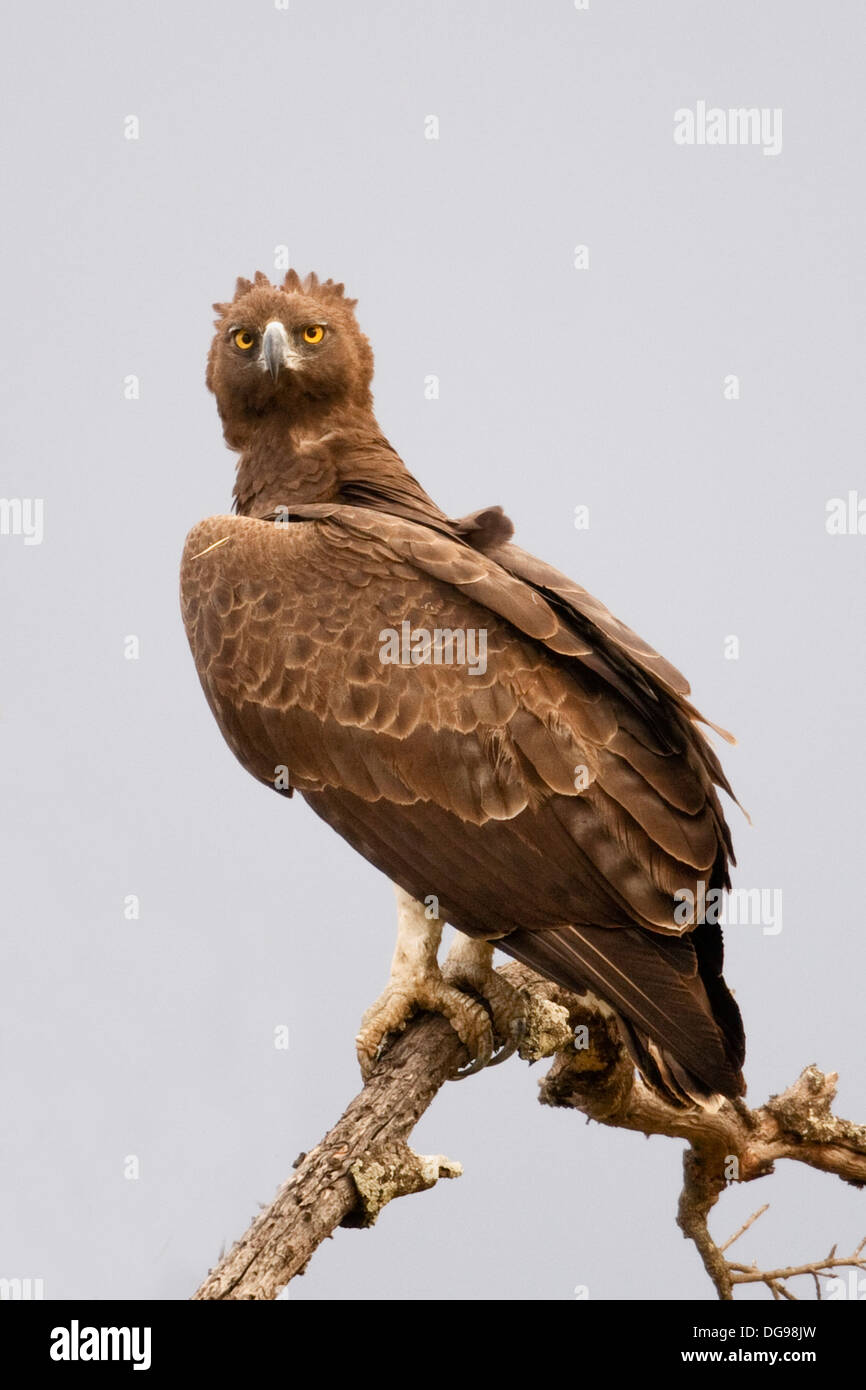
x=678, y=1019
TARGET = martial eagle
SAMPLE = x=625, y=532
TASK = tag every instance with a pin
x=557, y=797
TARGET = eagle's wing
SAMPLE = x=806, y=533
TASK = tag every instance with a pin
x=612, y=634
x=557, y=799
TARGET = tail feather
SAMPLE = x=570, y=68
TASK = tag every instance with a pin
x=680, y=1023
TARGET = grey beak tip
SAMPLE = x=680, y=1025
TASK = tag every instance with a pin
x=273, y=349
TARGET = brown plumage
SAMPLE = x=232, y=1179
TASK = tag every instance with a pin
x=556, y=801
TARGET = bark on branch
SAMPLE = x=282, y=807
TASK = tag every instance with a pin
x=365, y=1160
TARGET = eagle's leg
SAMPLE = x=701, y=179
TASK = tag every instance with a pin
x=416, y=982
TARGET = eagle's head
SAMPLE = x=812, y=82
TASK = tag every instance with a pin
x=292, y=350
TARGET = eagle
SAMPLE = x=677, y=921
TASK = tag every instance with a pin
x=519, y=763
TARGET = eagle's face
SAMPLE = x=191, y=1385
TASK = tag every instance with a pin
x=290, y=350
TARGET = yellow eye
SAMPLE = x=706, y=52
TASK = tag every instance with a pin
x=314, y=334
x=244, y=340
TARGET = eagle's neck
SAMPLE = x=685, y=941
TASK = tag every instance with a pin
x=349, y=460
x=281, y=466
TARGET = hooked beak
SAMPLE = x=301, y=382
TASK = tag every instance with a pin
x=276, y=351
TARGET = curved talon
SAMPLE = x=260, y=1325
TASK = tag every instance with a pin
x=480, y=1064
x=480, y=1061
x=503, y=1053
x=508, y=1049
x=517, y=1030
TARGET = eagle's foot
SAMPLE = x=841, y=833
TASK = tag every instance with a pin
x=405, y=995
x=417, y=983
x=469, y=966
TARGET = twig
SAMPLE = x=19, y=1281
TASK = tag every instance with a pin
x=745, y=1226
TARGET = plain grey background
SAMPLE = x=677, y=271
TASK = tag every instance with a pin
x=559, y=387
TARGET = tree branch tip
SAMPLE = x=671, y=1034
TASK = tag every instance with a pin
x=547, y=1029
x=745, y=1226
x=398, y=1171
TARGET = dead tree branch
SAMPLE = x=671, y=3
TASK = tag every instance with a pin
x=365, y=1161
